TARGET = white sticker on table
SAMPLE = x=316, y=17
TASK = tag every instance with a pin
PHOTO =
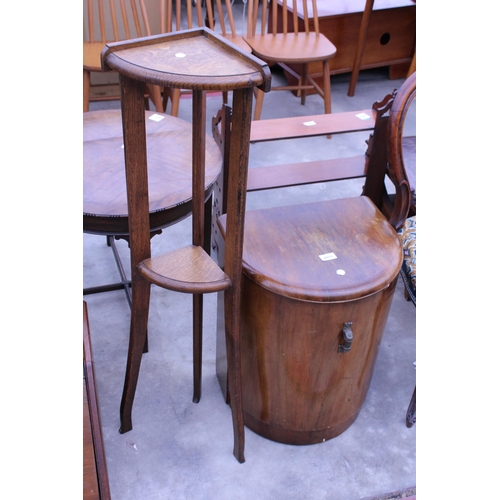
x=327, y=256
x=156, y=117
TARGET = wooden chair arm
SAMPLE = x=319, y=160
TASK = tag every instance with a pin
x=395, y=161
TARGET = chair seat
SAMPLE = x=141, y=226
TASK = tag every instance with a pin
x=408, y=237
x=92, y=55
x=292, y=48
x=239, y=42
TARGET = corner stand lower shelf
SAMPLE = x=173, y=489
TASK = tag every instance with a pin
x=197, y=60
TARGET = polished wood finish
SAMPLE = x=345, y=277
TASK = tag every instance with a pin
x=295, y=269
x=199, y=60
x=109, y=21
x=389, y=39
x=311, y=172
x=397, y=207
x=95, y=474
x=287, y=45
x=297, y=387
x=294, y=127
x=372, y=165
x=168, y=140
x=401, y=170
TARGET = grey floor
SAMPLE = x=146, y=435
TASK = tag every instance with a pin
x=180, y=450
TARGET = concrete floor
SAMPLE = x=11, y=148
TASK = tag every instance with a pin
x=180, y=450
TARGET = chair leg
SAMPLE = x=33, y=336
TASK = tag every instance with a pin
x=166, y=94
x=411, y=413
x=360, y=47
x=86, y=90
x=302, y=83
x=141, y=291
x=259, y=101
x=327, y=88
x=155, y=96
x=176, y=97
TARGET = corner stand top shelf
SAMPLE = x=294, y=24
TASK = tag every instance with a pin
x=199, y=60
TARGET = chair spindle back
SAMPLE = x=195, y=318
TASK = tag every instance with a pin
x=300, y=10
x=176, y=15
x=126, y=19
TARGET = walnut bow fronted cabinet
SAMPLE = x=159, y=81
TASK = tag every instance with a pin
x=318, y=283
x=201, y=61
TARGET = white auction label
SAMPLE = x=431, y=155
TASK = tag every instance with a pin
x=327, y=256
x=156, y=117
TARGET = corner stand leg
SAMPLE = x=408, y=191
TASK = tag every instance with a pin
x=236, y=202
x=138, y=329
x=197, y=345
x=231, y=302
x=134, y=138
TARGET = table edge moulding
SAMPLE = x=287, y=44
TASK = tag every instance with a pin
x=199, y=60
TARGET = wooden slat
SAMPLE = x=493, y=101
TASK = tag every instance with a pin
x=90, y=484
x=92, y=424
x=311, y=126
x=296, y=174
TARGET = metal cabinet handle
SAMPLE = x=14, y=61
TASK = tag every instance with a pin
x=347, y=337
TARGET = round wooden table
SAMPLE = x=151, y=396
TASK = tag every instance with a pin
x=169, y=177
x=169, y=146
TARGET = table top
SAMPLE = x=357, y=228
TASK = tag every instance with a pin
x=169, y=152
x=197, y=59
